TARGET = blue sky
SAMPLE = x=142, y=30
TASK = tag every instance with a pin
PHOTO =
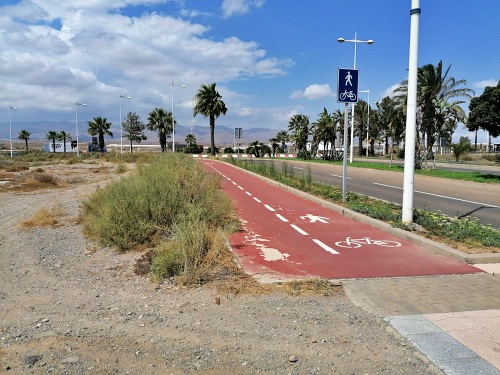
x=270, y=58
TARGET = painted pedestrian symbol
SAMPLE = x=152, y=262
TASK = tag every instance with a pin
x=348, y=78
x=314, y=218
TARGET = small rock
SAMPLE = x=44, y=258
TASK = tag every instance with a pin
x=70, y=360
x=294, y=358
x=32, y=359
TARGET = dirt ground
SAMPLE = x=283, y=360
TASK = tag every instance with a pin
x=68, y=306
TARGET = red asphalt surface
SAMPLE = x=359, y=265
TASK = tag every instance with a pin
x=288, y=237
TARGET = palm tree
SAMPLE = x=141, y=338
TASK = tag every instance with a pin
x=208, y=102
x=299, y=128
x=24, y=135
x=448, y=115
x=325, y=130
x=274, y=145
x=435, y=86
x=52, y=135
x=390, y=121
x=100, y=126
x=283, y=137
x=161, y=121
x=62, y=136
x=338, y=120
x=361, y=119
x=190, y=140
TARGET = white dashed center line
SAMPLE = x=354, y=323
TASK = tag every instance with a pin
x=303, y=232
x=325, y=247
x=282, y=218
x=269, y=208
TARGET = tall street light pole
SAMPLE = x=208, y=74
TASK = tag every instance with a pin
x=368, y=125
x=121, y=127
x=355, y=41
x=173, y=119
x=76, y=123
x=10, y=128
x=411, y=115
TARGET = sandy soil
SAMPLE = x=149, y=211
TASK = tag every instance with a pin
x=70, y=307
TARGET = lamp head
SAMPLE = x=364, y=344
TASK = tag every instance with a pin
x=370, y=41
x=341, y=40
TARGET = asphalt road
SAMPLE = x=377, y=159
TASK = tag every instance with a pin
x=451, y=197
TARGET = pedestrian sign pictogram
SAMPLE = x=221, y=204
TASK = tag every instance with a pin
x=347, y=86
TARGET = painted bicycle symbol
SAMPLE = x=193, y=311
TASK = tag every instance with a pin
x=347, y=94
x=354, y=243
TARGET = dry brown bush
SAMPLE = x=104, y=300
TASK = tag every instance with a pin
x=45, y=217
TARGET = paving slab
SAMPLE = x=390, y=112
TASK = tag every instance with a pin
x=448, y=353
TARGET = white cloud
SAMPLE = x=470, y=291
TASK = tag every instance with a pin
x=237, y=7
x=314, y=92
x=390, y=91
x=99, y=52
x=297, y=94
x=28, y=11
x=484, y=84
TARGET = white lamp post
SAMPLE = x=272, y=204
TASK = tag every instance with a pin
x=411, y=115
x=121, y=127
x=76, y=123
x=10, y=128
x=173, y=120
x=368, y=125
x=355, y=41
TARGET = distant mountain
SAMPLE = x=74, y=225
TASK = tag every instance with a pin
x=224, y=136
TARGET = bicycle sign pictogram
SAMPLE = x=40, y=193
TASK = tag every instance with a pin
x=354, y=243
x=347, y=94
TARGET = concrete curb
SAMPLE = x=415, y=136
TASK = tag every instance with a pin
x=425, y=243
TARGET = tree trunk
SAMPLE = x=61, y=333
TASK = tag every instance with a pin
x=212, y=134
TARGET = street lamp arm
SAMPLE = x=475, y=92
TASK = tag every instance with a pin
x=342, y=40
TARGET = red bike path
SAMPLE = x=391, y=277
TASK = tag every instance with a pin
x=284, y=236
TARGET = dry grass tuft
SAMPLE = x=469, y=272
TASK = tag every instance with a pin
x=45, y=178
x=246, y=284
x=45, y=217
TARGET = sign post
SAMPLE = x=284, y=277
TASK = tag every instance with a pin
x=347, y=92
x=237, y=134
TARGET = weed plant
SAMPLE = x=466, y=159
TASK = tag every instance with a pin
x=171, y=205
x=465, y=231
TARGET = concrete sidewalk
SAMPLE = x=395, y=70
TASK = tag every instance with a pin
x=454, y=320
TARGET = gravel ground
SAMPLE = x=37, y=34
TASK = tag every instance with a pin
x=70, y=307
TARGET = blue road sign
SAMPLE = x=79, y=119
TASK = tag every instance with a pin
x=347, y=86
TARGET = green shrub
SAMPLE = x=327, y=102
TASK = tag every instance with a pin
x=145, y=207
